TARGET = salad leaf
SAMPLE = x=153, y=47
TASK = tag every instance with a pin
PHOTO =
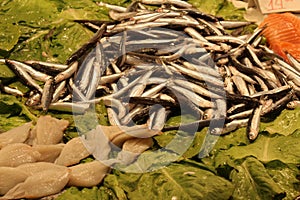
x=252, y=181
x=9, y=38
x=178, y=180
x=285, y=176
x=285, y=123
x=221, y=8
x=112, y=182
x=44, y=30
x=13, y=113
x=93, y=193
x=266, y=148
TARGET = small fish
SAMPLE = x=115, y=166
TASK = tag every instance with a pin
x=37, y=75
x=293, y=61
x=293, y=104
x=47, y=94
x=24, y=76
x=67, y=73
x=234, y=24
x=254, y=123
x=178, y=3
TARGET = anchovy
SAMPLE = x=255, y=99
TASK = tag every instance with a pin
x=201, y=67
x=84, y=73
x=286, y=67
x=9, y=90
x=59, y=90
x=122, y=50
x=251, y=89
x=236, y=108
x=150, y=101
x=208, y=114
x=118, y=29
x=234, y=24
x=98, y=68
x=34, y=99
x=37, y=75
x=152, y=17
x=240, y=115
x=157, y=119
x=247, y=78
x=178, y=3
x=225, y=38
x=254, y=57
x=273, y=92
x=228, y=84
x=240, y=84
x=46, y=67
x=293, y=61
x=230, y=126
x=212, y=27
x=203, y=77
x=141, y=79
x=47, y=94
x=196, y=88
x=196, y=99
x=154, y=90
x=66, y=74
x=110, y=78
x=69, y=107
x=254, y=122
x=261, y=84
x=293, y=104
x=278, y=104
x=113, y=117
x=254, y=71
x=24, y=76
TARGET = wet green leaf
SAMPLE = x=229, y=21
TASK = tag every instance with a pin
x=93, y=193
x=112, y=182
x=9, y=36
x=11, y=112
x=286, y=123
x=180, y=181
x=266, y=148
x=285, y=177
x=221, y=8
x=252, y=181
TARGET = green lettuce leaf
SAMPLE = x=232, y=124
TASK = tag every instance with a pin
x=13, y=113
x=93, y=193
x=178, y=180
x=221, y=8
x=285, y=123
x=266, y=148
x=252, y=181
x=286, y=177
x=9, y=36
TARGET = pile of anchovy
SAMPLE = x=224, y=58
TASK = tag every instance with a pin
x=161, y=58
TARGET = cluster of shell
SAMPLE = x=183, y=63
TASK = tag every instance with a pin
x=150, y=63
x=35, y=163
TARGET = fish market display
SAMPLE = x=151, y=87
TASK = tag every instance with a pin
x=148, y=64
x=154, y=60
